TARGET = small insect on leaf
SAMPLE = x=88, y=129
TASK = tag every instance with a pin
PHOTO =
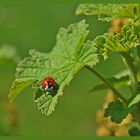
x=46, y=86
x=49, y=84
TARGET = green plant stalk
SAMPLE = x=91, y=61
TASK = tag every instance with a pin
x=107, y=83
x=133, y=75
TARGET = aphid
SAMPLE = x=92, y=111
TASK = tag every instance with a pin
x=49, y=84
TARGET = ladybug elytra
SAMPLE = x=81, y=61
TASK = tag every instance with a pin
x=49, y=84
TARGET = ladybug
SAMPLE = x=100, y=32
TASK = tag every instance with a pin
x=49, y=84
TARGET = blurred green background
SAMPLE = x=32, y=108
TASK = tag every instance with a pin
x=33, y=25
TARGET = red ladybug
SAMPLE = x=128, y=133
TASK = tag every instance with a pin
x=49, y=84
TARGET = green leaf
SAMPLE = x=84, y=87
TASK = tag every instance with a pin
x=116, y=82
x=70, y=54
x=38, y=93
x=107, y=12
x=45, y=103
x=134, y=131
x=28, y=70
x=128, y=38
x=134, y=128
x=116, y=111
x=136, y=100
x=100, y=44
x=17, y=86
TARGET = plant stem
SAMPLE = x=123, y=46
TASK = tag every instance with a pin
x=129, y=63
x=106, y=82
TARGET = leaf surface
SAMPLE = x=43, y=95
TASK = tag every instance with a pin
x=107, y=12
x=71, y=53
x=116, y=111
x=127, y=38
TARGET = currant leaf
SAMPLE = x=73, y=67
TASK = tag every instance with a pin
x=135, y=131
x=107, y=12
x=28, y=70
x=116, y=111
x=135, y=101
x=71, y=53
x=17, y=86
x=128, y=38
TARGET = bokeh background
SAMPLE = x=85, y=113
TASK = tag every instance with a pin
x=27, y=25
